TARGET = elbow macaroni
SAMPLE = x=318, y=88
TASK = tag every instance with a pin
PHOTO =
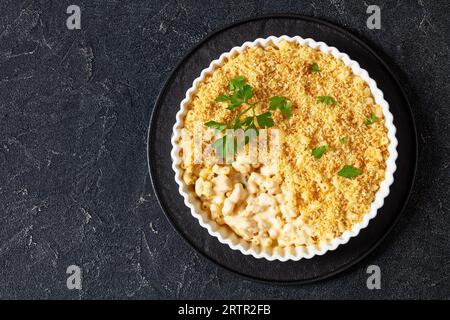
x=256, y=209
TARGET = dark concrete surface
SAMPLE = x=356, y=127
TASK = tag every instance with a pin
x=74, y=186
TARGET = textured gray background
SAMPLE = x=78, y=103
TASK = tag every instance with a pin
x=74, y=187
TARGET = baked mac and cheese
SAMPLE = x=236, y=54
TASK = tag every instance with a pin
x=333, y=147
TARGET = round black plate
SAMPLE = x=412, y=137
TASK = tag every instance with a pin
x=159, y=147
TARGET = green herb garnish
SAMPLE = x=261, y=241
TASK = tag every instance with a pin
x=314, y=68
x=326, y=99
x=343, y=140
x=349, y=172
x=265, y=120
x=216, y=125
x=282, y=104
x=236, y=83
x=319, y=151
x=240, y=94
x=223, y=98
x=371, y=120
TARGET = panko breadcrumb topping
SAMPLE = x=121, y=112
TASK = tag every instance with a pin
x=335, y=127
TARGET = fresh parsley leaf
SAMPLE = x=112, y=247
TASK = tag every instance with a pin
x=343, y=140
x=314, y=68
x=236, y=83
x=326, y=99
x=265, y=120
x=247, y=92
x=282, y=104
x=237, y=123
x=239, y=93
x=216, y=125
x=248, y=121
x=235, y=101
x=276, y=102
x=349, y=172
x=372, y=119
x=223, y=98
x=287, y=109
x=319, y=151
x=234, y=105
